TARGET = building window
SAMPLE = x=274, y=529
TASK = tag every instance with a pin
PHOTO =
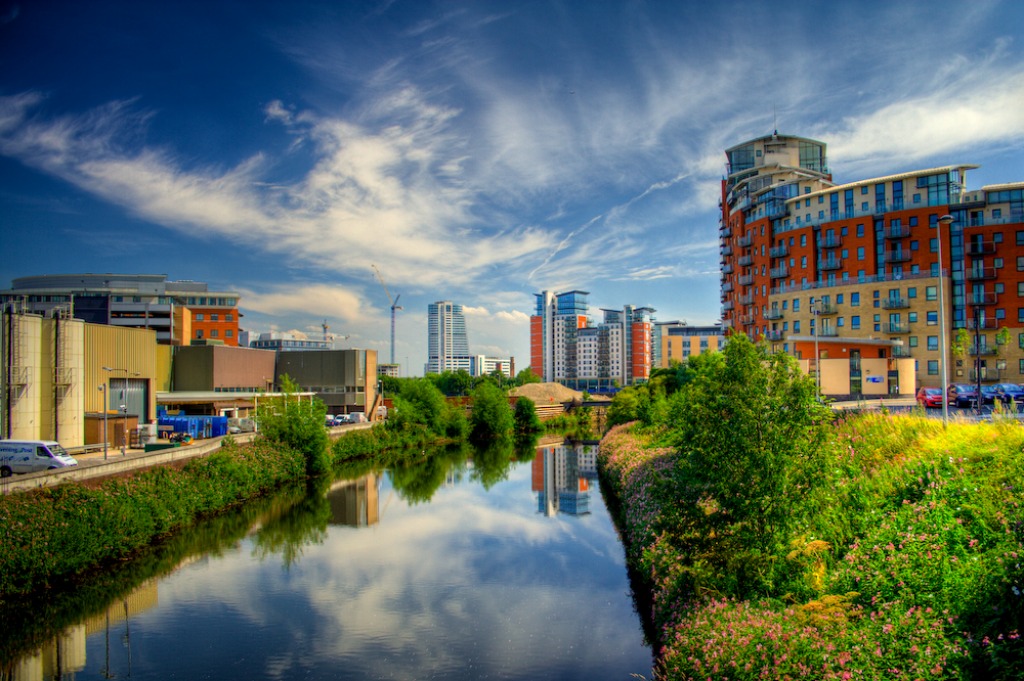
x=1020, y=262
x=229, y=317
x=933, y=342
x=796, y=305
x=1020, y=366
x=931, y=293
x=933, y=367
x=933, y=318
x=912, y=341
x=855, y=299
x=796, y=326
x=199, y=333
x=912, y=292
x=911, y=317
x=199, y=317
x=230, y=333
x=213, y=334
x=855, y=322
x=214, y=317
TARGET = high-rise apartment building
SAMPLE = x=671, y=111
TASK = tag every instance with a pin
x=567, y=347
x=448, y=345
x=851, y=271
x=446, y=338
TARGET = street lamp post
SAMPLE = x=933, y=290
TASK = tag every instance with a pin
x=103, y=389
x=815, y=313
x=944, y=220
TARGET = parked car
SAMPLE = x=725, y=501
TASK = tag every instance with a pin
x=1010, y=391
x=341, y=419
x=962, y=394
x=989, y=394
x=329, y=422
x=929, y=397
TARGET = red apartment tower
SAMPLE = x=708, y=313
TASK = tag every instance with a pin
x=853, y=269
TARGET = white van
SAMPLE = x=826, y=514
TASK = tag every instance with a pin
x=29, y=456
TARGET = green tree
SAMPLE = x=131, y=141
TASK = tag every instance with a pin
x=752, y=442
x=491, y=418
x=525, y=417
x=298, y=423
x=623, y=408
x=526, y=376
x=419, y=403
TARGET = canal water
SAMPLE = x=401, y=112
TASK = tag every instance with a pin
x=463, y=565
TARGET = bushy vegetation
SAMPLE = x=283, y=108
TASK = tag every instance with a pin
x=491, y=418
x=782, y=544
x=54, y=533
x=297, y=423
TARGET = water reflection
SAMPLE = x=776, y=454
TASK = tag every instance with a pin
x=562, y=477
x=362, y=578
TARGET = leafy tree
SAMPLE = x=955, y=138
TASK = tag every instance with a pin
x=623, y=408
x=298, y=423
x=525, y=417
x=526, y=376
x=752, y=441
x=492, y=417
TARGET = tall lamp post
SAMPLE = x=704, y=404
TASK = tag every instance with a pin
x=103, y=389
x=944, y=221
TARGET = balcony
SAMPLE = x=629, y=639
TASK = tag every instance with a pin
x=828, y=332
x=778, y=251
x=725, y=232
x=746, y=241
x=747, y=299
x=779, y=272
x=895, y=329
x=728, y=305
x=726, y=251
x=899, y=232
x=774, y=336
x=746, y=320
x=745, y=261
x=988, y=323
x=981, y=248
x=824, y=309
x=987, y=374
x=895, y=304
x=727, y=287
x=897, y=256
x=983, y=351
x=830, y=264
x=831, y=242
x=746, y=279
x=774, y=313
x=982, y=299
x=727, y=269
x=899, y=352
x=981, y=273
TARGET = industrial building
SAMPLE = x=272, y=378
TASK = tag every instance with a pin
x=81, y=383
x=886, y=269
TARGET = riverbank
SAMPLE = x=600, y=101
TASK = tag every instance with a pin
x=906, y=563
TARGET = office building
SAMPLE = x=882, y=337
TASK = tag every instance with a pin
x=567, y=347
x=844, y=273
x=677, y=341
x=288, y=341
x=181, y=312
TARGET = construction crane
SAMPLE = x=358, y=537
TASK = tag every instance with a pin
x=328, y=337
x=394, y=306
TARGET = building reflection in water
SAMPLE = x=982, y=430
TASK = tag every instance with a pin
x=63, y=656
x=562, y=477
x=355, y=503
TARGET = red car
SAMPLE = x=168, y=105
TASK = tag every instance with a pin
x=930, y=397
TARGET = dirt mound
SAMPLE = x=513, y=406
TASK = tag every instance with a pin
x=547, y=393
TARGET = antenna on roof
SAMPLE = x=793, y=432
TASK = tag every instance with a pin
x=775, y=121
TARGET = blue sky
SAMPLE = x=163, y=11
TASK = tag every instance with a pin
x=478, y=152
